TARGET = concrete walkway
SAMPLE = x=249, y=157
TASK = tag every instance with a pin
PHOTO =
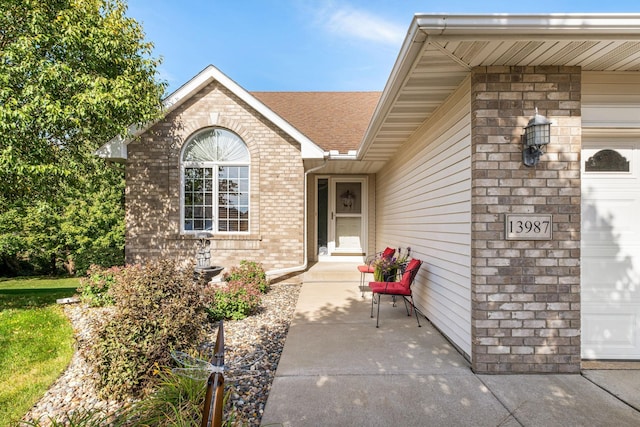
x=337, y=369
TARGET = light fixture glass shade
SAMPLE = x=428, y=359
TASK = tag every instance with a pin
x=536, y=134
x=538, y=131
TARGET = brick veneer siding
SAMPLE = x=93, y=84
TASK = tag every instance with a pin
x=276, y=187
x=525, y=294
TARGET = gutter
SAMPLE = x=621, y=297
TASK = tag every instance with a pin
x=301, y=267
x=548, y=25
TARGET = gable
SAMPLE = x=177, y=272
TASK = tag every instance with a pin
x=116, y=149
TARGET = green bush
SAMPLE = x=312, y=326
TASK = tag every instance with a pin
x=176, y=401
x=79, y=418
x=249, y=273
x=94, y=289
x=158, y=308
x=232, y=300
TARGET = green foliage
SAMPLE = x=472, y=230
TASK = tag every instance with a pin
x=36, y=341
x=94, y=288
x=73, y=74
x=83, y=226
x=79, y=418
x=239, y=296
x=249, y=273
x=91, y=226
x=28, y=231
x=158, y=307
x=177, y=401
x=232, y=300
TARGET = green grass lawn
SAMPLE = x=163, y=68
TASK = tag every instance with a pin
x=36, y=341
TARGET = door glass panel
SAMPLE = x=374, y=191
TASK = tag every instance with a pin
x=348, y=217
x=348, y=197
x=348, y=231
x=323, y=216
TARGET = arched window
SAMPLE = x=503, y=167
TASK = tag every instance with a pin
x=215, y=177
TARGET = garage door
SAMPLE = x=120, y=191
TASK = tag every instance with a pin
x=610, y=248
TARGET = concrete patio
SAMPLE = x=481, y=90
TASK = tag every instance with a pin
x=337, y=369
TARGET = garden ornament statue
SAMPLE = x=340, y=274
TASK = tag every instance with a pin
x=203, y=259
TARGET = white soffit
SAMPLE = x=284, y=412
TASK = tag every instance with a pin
x=116, y=148
x=440, y=51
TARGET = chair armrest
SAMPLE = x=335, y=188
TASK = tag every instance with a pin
x=371, y=258
x=403, y=267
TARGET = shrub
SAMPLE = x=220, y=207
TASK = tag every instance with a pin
x=158, y=308
x=249, y=273
x=94, y=289
x=79, y=418
x=177, y=401
x=233, y=300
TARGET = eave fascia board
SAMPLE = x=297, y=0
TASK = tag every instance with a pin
x=308, y=149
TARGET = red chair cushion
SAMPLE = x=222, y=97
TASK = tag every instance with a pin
x=388, y=252
x=391, y=288
x=406, y=277
x=366, y=269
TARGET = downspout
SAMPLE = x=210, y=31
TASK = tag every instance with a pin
x=302, y=267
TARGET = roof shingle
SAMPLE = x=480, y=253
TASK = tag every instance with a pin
x=333, y=120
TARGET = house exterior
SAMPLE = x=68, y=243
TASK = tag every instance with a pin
x=527, y=269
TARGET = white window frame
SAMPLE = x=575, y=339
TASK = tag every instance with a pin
x=213, y=165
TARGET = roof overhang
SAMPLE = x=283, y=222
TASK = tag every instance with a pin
x=440, y=51
x=116, y=149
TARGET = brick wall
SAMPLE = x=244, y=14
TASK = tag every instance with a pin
x=525, y=294
x=276, y=187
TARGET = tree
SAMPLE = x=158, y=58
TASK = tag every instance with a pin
x=73, y=74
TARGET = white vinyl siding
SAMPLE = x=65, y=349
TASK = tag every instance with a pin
x=423, y=200
x=610, y=100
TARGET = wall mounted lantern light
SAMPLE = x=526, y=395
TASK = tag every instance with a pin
x=536, y=134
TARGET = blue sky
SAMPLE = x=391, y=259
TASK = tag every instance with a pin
x=306, y=45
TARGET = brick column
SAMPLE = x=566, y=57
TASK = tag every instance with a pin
x=525, y=294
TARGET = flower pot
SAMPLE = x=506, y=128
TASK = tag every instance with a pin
x=380, y=275
x=390, y=276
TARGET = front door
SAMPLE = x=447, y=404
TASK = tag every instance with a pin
x=341, y=201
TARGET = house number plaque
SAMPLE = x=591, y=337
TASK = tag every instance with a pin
x=528, y=227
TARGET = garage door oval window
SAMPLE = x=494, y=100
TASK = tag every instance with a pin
x=607, y=161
